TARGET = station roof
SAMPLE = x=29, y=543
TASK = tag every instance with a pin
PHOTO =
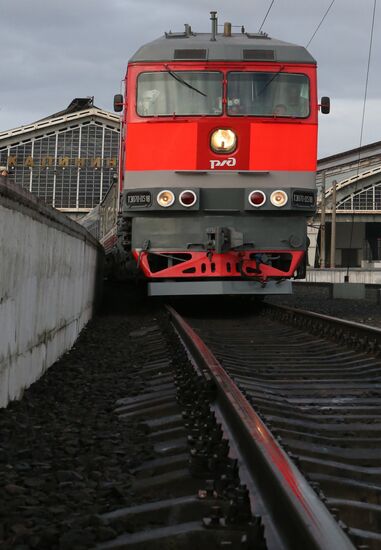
x=78, y=110
x=244, y=46
x=76, y=105
x=351, y=155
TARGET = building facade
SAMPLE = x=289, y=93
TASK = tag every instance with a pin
x=357, y=232
x=69, y=159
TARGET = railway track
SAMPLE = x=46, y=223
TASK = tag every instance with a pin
x=316, y=383
x=190, y=493
x=218, y=478
x=269, y=443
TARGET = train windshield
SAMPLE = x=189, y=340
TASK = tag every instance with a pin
x=268, y=94
x=179, y=93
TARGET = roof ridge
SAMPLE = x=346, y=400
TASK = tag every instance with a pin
x=51, y=121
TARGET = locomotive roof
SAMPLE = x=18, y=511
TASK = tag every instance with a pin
x=189, y=46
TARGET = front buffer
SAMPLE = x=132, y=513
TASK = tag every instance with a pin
x=229, y=254
x=243, y=272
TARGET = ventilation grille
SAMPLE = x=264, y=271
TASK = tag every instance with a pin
x=259, y=55
x=190, y=54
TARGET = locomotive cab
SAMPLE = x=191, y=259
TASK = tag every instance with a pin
x=218, y=162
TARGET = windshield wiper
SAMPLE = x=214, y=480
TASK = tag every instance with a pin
x=269, y=82
x=182, y=81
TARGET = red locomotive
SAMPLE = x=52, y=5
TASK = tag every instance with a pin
x=218, y=161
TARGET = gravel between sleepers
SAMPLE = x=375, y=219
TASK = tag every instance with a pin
x=64, y=455
x=316, y=298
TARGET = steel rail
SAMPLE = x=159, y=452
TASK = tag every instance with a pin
x=298, y=513
x=368, y=336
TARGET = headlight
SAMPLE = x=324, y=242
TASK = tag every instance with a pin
x=278, y=198
x=223, y=141
x=187, y=198
x=165, y=198
x=257, y=198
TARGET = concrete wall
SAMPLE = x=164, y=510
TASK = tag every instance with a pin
x=49, y=278
x=356, y=275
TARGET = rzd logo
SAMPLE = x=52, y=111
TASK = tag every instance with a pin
x=220, y=163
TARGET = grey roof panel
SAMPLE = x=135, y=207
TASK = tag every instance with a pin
x=223, y=48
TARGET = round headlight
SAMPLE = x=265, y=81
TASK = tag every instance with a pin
x=165, y=198
x=279, y=198
x=187, y=198
x=223, y=141
x=257, y=198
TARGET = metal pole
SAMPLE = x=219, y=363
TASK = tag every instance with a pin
x=322, y=223
x=333, y=226
x=213, y=19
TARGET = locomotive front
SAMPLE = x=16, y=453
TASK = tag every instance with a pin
x=218, y=162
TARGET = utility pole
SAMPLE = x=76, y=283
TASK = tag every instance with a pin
x=333, y=226
x=322, y=223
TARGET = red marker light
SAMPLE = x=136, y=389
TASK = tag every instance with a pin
x=257, y=198
x=188, y=198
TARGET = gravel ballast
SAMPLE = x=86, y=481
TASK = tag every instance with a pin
x=64, y=455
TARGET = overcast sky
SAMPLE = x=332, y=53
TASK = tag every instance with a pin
x=55, y=50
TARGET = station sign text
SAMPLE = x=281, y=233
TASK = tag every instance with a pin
x=63, y=162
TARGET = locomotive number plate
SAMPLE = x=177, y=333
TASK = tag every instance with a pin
x=303, y=199
x=138, y=198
